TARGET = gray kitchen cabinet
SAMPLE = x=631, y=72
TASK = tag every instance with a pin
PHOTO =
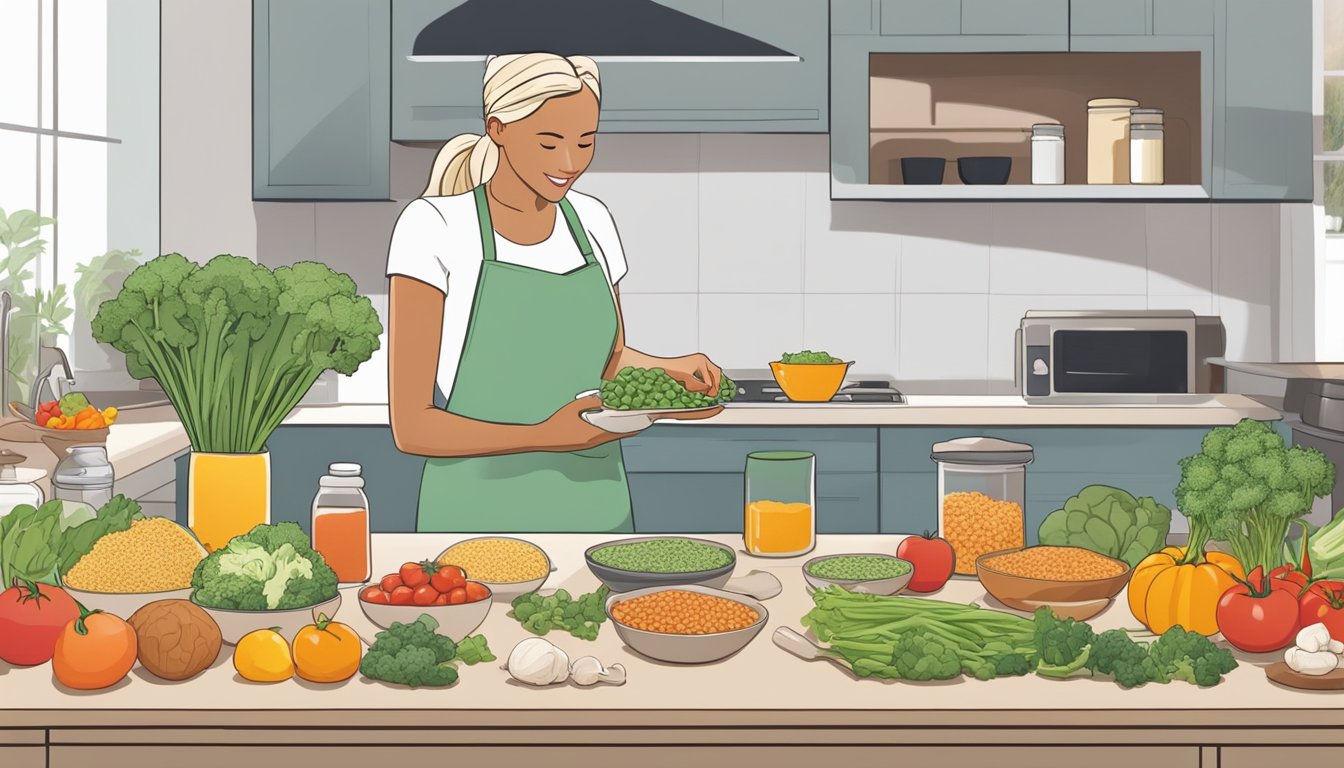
x=1262, y=122
x=433, y=101
x=1182, y=17
x=921, y=17
x=709, y=502
x=854, y=17
x=1109, y=17
x=1014, y=17
x=320, y=99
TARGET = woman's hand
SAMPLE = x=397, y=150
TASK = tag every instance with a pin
x=695, y=372
x=566, y=429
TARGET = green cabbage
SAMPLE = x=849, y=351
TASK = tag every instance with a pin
x=1109, y=521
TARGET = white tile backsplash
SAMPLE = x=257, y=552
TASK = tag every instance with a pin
x=1069, y=249
x=943, y=337
x=661, y=324
x=839, y=258
x=947, y=250
x=659, y=228
x=751, y=232
x=1180, y=249
x=748, y=330
x=356, y=237
x=861, y=328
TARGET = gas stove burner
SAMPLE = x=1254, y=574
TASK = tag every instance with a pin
x=751, y=390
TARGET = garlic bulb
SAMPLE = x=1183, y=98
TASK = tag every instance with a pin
x=536, y=662
x=1310, y=662
x=589, y=671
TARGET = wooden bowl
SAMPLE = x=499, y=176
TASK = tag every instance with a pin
x=1068, y=599
x=58, y=441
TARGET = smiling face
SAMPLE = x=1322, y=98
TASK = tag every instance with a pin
x=551, y=147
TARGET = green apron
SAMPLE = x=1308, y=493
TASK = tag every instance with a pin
x=534, y=340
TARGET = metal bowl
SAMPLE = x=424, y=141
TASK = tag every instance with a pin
x=619, y=580
x=688, y=649
x=893, y=586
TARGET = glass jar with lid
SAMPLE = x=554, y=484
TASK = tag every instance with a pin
x=1047, y=153
x=1108, y=140
x=781, y=510
x=341, y=523
x=85, y=475
x=981, y=496
x=18, y=485
x=1147, y=147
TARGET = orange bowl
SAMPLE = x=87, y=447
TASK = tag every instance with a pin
x=808, y=383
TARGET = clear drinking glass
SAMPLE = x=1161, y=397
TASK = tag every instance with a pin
x=781, y=510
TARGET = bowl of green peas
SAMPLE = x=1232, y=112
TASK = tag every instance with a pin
x=868, y=573
x=637, y=397
x=660, y=561
x=809, y=377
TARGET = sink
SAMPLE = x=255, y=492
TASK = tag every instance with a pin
x=125, y=399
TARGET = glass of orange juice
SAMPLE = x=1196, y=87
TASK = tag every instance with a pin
x=781, y=514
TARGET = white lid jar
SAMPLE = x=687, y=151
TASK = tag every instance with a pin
x=982, y=496
x=18, y=485
x=84, y=476
x=340, y=528
x=1047, y=153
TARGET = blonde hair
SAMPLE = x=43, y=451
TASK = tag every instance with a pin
x=515, y=86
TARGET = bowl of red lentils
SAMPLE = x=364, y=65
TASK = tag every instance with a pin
x=685, y=624
x=1074, y=582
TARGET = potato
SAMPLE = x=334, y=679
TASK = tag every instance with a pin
x=177, y=639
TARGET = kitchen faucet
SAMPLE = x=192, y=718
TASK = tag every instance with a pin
x=6, y=304
x=49, y=358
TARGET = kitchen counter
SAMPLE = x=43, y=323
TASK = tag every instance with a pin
x=142, y=437
x=781, y=707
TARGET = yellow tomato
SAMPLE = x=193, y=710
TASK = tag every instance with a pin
x=263, y=656
x=1164, y=593
x=327, y=652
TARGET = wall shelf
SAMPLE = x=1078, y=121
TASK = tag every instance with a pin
x=1019, y=192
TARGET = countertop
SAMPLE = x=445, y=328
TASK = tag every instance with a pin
x=761, y=679
x=145, y=436
x=1284, y=370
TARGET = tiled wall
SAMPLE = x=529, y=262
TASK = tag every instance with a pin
x=735, y=249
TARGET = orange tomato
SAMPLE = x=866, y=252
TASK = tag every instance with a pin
x=1164, y=593
x=95, y=651
x=327, y=652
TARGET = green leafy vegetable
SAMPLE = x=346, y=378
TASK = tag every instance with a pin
x=41, y=544
x=1109, y=521
x=474, y=650
x=1247, y=488
x=413, y=654
x=234, y=344
x=582, y=618
x=271, y=567
x=115, y=516
x=73, y=403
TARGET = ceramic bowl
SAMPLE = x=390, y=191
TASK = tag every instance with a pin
x=123, y=604
x=455, y=621
x=688, y=649
x=505, y=590
x=809, y=383
x=234, y=624
x=922, y=170
x=984, y=170
x=619, y=580
x=892, y=586
x=1069, y=599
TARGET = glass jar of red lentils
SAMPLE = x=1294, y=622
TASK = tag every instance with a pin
x=982, y=484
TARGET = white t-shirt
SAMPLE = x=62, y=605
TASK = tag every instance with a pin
x=438, y=241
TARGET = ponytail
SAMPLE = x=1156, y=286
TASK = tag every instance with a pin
x=515, y=86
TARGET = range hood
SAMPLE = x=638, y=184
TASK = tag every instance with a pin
x=606, y=30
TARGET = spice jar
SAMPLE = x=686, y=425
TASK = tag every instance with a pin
x=981, y=496
x=18, y=485
x=341, y=523
x=84, y=476
x=1108, y=140
x=1147, y=156
x=1047, y=153
x=781, y=516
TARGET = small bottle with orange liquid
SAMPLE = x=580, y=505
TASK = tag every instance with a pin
x=781, y=516
x=341, y=523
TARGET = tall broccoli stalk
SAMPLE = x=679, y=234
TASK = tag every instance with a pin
x=235, y=345
x=1246, y=487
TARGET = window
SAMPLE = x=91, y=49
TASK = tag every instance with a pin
x=1330, y=180
x=79, y=189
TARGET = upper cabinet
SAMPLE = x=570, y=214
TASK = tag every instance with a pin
x=320, y=99
x=433, y=101
x=1141, y=17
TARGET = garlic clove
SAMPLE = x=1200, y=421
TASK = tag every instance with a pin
x=536, y=661
x=589, y=671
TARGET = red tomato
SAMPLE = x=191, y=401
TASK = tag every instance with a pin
x=1324, y=604
x=32, y=617
x=476, y=591
x=402, y=596
x=447, y=578
x=442, y=599
x=424, y=595
x=458, y=596
x=1288, y=577
x=368, y=592
x=413, y=574
x=390, y=582
x=933, y=559
x=375, y=595
x=1258, y=622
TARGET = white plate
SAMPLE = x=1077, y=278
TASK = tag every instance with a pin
x=628, y=422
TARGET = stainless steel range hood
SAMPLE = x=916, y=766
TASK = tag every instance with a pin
x=606, y=30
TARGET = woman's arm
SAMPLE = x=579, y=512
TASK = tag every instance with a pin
x=415, y=331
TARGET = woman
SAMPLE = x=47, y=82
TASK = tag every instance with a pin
x=504, y=307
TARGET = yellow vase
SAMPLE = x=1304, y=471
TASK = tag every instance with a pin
x=228, y=494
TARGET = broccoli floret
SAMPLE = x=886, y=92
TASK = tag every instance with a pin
x=920, y=655
x=1062, y=645
x=581, y=618
x=1114, y=653
x=1190, y=656
x=247, y=591
x=411, y=654
x=1012, y=665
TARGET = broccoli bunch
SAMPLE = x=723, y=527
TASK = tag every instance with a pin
x=581, y=618
x=1063, y=646
x=1066, y=647
x=808, y=357
x=1247, y=488
x=1190, y=656
x=653, y=389
x=411, y=654
x=271, y=567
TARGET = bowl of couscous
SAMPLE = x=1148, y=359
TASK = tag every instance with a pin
x=687, y=624
x=507, y=566
x=1074, y=582
x=127, y=570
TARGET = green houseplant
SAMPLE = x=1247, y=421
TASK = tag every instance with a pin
x=98, y=281
x=36, y=313
x=235, y=346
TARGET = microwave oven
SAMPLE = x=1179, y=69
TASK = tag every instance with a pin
x=1116, y=355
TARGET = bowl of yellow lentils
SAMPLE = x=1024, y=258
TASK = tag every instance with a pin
x=126, y=570
x=508, y=566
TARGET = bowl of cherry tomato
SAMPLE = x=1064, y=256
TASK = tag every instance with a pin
x=459, y=604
